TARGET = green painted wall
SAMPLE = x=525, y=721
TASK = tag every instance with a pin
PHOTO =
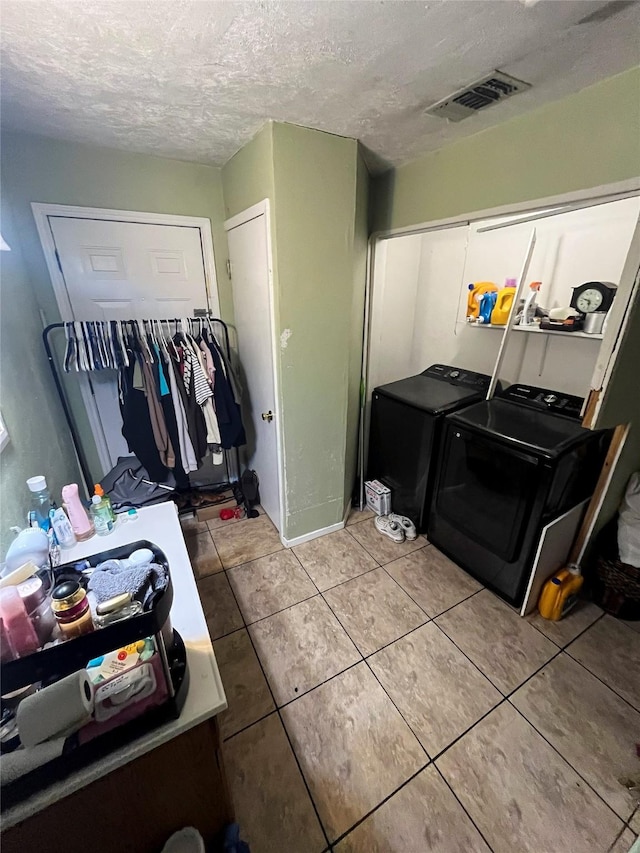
x=40, y=442
x=318, y=201
x=46, y=170
x=247, y=177
x=361, y=240
x=585, y=140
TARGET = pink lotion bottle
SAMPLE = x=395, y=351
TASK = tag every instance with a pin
x=80, y=521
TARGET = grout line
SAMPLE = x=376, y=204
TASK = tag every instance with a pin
x=566, y=761
x=277, y=711
x=282, y=610
x=596, y=676
x=381, y=803
x=462, y=806
x=573, y=639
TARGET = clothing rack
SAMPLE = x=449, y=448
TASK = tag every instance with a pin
x=75, y=437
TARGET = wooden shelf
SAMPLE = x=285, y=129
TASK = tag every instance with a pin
x=536, y=330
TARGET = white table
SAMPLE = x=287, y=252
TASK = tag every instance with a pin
x=205, y=697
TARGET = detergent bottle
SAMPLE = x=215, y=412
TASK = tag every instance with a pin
x=487, y=302
x=560, y=593
x=504, y=300
x=476, y=292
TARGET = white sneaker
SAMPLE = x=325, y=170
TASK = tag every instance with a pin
x=406, y=524
x=390, y=528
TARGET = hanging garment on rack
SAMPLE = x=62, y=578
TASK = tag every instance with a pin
x=156, y=413
x=227, y=410
x=187, y=453
x=136, y=423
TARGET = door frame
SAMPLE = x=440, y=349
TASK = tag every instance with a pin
x=43, y=211
x=263, y=208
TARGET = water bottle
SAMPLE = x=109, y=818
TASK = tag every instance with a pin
x=40, y=501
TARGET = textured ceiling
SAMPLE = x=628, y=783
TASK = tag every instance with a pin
x=195, y=80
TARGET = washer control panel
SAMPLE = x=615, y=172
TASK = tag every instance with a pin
x=542, y=398
x=458, y=376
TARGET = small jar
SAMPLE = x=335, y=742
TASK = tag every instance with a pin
x=117, y=608
x=70, y=606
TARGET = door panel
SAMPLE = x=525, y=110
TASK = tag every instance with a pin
x=252, y=310
x=127, y=270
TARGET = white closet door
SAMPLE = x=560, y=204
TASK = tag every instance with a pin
x=252, y=304
x=126, y=270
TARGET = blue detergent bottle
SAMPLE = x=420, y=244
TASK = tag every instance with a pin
x=487, y=304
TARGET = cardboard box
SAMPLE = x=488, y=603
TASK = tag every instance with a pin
x=209, y=512
x=378, y=497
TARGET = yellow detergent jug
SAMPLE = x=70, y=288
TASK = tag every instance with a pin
x=476, y=292
x=560, y=593
x=500, y=313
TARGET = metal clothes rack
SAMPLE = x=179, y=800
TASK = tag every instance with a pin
x=75, y=437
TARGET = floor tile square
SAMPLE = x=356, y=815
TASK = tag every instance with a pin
x=269, y=584
x=203, y=555
x=374, y=610
x=590, y=726
x=244, y=683
x=423, y=817
x=191, y=526
x=438, y=691
x=500, y=642
x=269, y=795
x=432, y=580
x=353, y=746
x=383, y=549
x=521, y=794
x=219, y=605
x=611, y=651
x=241, y=543
x=567, y=629
x=335, y=558
x=356, y=515
x=301, y=647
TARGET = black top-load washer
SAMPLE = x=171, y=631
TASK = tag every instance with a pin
x=508, y=467
x=405, y=426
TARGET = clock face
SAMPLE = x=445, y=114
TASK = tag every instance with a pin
x=589, y=300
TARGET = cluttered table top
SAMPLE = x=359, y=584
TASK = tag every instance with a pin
x=205, y=698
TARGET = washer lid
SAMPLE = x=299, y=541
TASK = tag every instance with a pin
x=429, y=394
x=527, y=429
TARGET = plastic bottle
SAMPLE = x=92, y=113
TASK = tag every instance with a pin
x=529, y=310
x=101, y=515
x=80, y=521
x=40, y=501
x=62, y=528
x=105, y=499
x=476, y=291
x=504, y=301
x=487, y=303
x=560, y=593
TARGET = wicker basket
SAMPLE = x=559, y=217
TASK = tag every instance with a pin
x=617, y=588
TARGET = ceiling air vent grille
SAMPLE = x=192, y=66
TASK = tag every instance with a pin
x=490, y=90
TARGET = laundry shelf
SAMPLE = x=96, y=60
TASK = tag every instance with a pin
x=536, y=330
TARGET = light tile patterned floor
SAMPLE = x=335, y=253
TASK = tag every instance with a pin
x=382, y=701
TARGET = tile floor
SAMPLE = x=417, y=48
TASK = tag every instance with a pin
x=382, y=701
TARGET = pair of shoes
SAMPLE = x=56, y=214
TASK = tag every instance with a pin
x=396, y=527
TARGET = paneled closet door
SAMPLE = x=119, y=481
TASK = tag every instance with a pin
x=117, y=270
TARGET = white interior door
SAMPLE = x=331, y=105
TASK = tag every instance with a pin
x=115, y=270
x=252, y=303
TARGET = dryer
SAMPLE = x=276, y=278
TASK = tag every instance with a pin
x=509, y=466
x=404, y=432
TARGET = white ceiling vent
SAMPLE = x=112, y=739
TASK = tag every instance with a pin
x=489, y=90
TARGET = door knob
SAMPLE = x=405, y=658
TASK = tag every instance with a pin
x=267, y=416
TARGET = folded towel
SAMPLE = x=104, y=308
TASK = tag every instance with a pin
x=114, y=577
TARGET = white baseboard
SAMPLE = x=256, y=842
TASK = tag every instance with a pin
x=307, y=537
